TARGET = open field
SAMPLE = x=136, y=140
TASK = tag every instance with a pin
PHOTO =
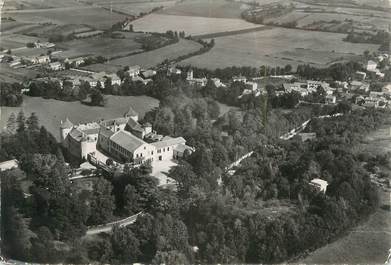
x=11, y=75
x=103, y=46
x=336, y=17
x=50, y=29
x=92, y=16
x=138, y=7
x=206, y=8
x=151, y=58
x=278, y=47
x=37, y=4
x=51, y=112
x=189, y=24
x=14, y=41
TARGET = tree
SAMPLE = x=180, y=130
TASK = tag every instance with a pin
x=102, y=203
x=170, y=257
x=125, y=245
x=131, y=200
x=16, y=234
x=20, y=120
x=11, y=123
x=97, y=98
x=32, y=123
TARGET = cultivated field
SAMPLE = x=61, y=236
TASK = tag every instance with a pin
x=13, y=41
x=107, y=47
x=206, y=8
x=11, y=75
x=189, y=24
x=92, y=16
x=37, y=4
x=278, y=47
x=50, y=29
x=151, y=58
x=51, y=112
x=136, y=8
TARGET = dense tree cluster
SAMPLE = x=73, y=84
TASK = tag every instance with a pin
x=66, y=92
x=263, y=212
x=10, y=94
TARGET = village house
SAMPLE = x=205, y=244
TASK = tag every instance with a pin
x=239, y=78
x=308, y=87
x=75, y=61
x=102, y=77
x=217, y=82
x=330, y=99
x=358, y=86
x=8, y=165
x=173, y=71
x=133, y=71
x=319, y=184
x=56, y=66
x=44, y=44
x=371, y=66
x=360, y=75
x=43, y=59
x=142, y=80
x=306, y=136
x=148, y=73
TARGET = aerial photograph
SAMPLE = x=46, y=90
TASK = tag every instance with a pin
x=195, y=132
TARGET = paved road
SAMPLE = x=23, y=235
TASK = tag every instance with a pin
x=106, y=228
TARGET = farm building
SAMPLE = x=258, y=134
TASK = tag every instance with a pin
x=88, y=34
x=56, y=66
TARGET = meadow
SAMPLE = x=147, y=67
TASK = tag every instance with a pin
x=88, y=15
x=51, y=112
x=138, y=7
x=103, y=46
x=278, y=47
x=11, y=75
x=14, y=41
x=150, y=58
x=206, y=8
x=191, y=25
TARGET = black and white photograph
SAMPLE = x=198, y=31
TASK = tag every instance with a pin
x=181, y=132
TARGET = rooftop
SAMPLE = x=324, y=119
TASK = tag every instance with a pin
x=127, y=140
x=165, y=142
x=134, y=125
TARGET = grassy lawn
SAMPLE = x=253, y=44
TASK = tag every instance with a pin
x=50, y=112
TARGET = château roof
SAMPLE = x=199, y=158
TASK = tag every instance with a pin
x=127, y=140
x=131, y=112
x=66, y=124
